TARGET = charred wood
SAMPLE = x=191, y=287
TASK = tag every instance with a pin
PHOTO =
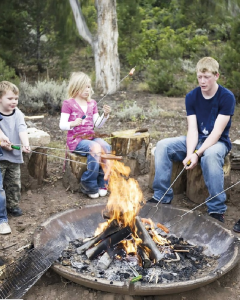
x=147, y=241
x=109, y=242
x=112, y=228
x=146, y=262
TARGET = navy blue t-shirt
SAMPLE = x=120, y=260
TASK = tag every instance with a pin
x=207, y=110
x=1, y=153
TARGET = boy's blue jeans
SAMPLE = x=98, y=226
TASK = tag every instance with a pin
x=3, y=209
x=175, y=149
x=93, y=178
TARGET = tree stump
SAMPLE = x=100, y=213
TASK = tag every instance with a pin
x=133, y=147
x=179, y=186
x=75, y=166
x=35, y=164
x=196, y=189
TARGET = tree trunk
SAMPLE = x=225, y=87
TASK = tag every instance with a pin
x=104, y=44
x=105, y=48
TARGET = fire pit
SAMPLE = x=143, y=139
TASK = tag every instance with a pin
x=196, y=229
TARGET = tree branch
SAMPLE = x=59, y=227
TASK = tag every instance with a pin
x=80, y=22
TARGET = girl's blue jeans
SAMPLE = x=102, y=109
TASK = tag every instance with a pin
x=174, y=149
x=93, y=178
x=3, y=209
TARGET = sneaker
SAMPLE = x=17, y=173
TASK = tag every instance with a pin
x=236, y=227
x=15, y=212
x=219, y=217
x=93, y=196
x=102, y=192
x=5, y=228
x=152, y=200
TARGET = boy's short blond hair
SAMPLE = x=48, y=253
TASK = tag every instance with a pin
x=77, y=83
x=207, y=64
x=8, y=86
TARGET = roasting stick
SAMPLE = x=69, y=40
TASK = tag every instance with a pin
x=157, y=205
x=129, y=74
x=183, y=215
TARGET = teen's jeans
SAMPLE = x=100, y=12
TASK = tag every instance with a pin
x=3, y=209
x=93, y=178
x=174, y=149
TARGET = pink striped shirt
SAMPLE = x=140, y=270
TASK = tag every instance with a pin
x=71, y=107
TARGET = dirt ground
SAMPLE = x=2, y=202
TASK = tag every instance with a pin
x=40, y=202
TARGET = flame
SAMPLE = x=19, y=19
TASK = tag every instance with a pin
x=126, y=196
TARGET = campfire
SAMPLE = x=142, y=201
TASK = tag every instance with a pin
x=127, y=247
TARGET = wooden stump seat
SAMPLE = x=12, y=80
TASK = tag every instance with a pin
x=35, y=164
x=134, y=147
x=75, y=165
x=191, y=181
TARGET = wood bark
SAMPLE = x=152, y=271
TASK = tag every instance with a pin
x=37, y=165
x=133, y=146
x=104, y=44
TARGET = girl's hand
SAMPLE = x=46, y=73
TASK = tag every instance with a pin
x=106, y=110
x=6, y=145
x=77, y=122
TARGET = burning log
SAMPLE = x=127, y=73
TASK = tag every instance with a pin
x=146, y=262
x=147, y=241
x=109, y=242
x=112, y=228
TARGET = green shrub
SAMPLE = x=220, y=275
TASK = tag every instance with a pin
x=130, y=112
x=43, y=96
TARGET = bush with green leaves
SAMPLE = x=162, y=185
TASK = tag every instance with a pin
x=8, y=73
x=43, y=96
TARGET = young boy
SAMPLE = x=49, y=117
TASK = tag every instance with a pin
x=14, y=127
x=4, y=226
x=209, y=111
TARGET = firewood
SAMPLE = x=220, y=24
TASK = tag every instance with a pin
x=146, y=262
x=147, y=241
x=112, y=228
x=109, y=242
x=104, y=261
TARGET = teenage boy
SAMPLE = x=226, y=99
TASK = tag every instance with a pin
x=209, y=110
x=14, y=127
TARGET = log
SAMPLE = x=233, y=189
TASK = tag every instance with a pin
x=112, y=228
x=104, y=261
x=179, y=186
x=196, y=189
x=133, y=147
x=109, y=242
x=147, y=241
x=146, y=262
x=37, y=165
x=75, y=166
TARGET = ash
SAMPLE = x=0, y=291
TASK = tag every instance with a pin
x=174, y=267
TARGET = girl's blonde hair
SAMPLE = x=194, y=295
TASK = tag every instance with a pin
x=8, y=86
x=77, y=83
x=207, y=64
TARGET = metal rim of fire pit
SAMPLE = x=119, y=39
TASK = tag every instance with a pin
x=198, y=229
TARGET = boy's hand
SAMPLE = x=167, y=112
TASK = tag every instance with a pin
x=26, y=149
x=106, y=110
x=6, y=145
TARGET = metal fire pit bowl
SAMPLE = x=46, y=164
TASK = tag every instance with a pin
x=197, y=229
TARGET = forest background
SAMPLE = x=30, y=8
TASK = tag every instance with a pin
x=40, y=46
